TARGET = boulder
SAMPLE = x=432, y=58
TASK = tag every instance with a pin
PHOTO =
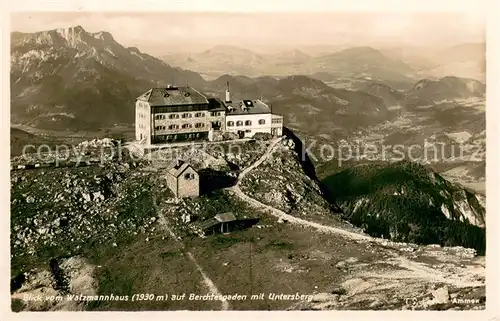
x=441, y=295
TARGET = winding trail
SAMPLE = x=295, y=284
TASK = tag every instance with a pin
x=404, y=268
x=280, y=214
x=410, y=269
x=206, y=279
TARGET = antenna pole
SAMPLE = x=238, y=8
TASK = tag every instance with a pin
x=250, y=267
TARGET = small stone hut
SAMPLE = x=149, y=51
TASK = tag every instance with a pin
x=182, y=179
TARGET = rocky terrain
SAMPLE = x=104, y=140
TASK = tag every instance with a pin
x=69, y=277
x=294, y=188
x=94, y=210
x=53, y=206
x=72, y=225
x=407, y=283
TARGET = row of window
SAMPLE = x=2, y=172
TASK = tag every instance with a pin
x=177, y=116
x=186, y=115
x=184, y=126
x=201, y=125
x=247, y=123
x=163, y=138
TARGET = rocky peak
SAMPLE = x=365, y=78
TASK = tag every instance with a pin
x=71, y=37
x=104, y=36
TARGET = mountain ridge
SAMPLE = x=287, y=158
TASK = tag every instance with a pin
x=92, y=69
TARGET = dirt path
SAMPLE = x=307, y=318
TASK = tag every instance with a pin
x=280, y=214
x=206, y=279
x=408, y=268
x=266, y=154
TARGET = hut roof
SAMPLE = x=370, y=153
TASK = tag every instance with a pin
x=225, y=217
x=177, y=167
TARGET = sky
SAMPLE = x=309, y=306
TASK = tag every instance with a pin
x=162, y=32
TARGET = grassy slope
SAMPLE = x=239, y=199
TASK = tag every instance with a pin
x=20, y=138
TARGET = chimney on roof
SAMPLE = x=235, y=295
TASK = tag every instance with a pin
x=228, y=94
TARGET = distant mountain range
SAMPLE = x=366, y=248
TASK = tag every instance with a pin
x=70, y=78
x=394, y=66
x=349, y=63
x=304, y=100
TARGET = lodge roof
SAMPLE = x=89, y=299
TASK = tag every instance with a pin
x=173, y=96
x=247, y=107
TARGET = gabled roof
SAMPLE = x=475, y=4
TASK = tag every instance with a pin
x=216, y=105
x=225, y=217
x=173, y=96
x=145, y=96
x=211, y=222
x=176, y=168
